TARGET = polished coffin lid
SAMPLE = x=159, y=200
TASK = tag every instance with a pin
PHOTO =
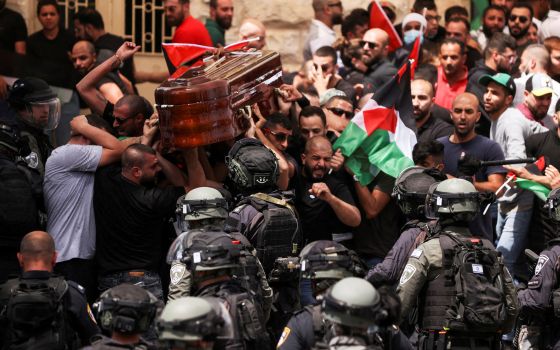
x=199, y=106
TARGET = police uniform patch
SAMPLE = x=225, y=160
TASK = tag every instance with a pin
x=416, y=253
x=407, y=274
x=177, y=272
x=283, y=337
x=543, y=259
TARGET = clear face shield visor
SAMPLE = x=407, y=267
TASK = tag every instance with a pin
x=43, y=115
x=447, y=203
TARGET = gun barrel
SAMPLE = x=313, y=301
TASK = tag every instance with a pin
x=507, y=161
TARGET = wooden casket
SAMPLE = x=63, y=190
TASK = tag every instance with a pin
x=199, y=106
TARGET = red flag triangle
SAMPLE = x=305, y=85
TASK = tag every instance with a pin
x=378, y=19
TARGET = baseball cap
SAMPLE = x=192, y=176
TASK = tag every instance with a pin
x=539, y=84
x=330, y=93
x=502, y=79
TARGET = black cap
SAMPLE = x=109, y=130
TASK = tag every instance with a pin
x=29, y=89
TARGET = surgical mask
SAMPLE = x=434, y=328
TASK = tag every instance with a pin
x=411, y=35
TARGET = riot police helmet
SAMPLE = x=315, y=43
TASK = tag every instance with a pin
x=35, y=103
x=456, y=199
x=353, y=302
x=211, y=251
x=329, y=260
x=127, y=309
x=252, y=167
x=203, y=205
x=411, y=188
x=188, y=319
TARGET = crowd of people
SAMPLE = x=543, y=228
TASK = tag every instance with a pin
x=269, y=239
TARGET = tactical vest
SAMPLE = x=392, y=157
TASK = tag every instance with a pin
x=439, y=294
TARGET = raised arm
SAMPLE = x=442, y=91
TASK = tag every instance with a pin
x=86, y=86
x=112, y=148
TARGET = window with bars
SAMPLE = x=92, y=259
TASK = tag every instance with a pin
x=68, y=9
x=144, y=24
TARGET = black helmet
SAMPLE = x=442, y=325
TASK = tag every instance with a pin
x=411, y=188
x=40, y=105
x=252, y=166
x=329, y=260
x=127, y=309
x=210, y=250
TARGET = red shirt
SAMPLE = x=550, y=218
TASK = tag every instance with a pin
x=192, y=31
x=446, y=93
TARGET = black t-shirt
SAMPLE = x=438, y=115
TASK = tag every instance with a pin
x=112, y=42
x=543, y=228
x=129, y=221
x=12, y=29
x=318, y=219
x=375, y=237
x=432, y=129
x=49, y=59
x=481, y=148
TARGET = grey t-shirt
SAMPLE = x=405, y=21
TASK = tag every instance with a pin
x=68, y=190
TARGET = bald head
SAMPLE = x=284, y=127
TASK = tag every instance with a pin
x=134, y=156
x=376, y=35
x=37, y=243
x=85, y=45
x=318, y=143
x=253, y=28
x=466, y=97
x=37, y=252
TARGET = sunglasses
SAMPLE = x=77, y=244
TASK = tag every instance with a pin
x=371, y=45
x=341, y=112
x=279, y=136
x=522, y=19
x=324, y=67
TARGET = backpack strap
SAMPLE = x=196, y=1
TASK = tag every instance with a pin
x=448, y=245
x=318, y=325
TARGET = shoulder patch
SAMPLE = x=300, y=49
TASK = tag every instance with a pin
x=283, y=337
x=80, y=289
x=407, y=274
x=416, y=253
x=543, y=259
x=177, y=272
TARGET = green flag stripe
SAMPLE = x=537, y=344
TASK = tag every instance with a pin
x=539, y=190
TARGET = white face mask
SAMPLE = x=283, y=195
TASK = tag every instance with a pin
x=411, y=35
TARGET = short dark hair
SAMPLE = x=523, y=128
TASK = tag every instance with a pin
x=98, y=122
x=499, y=42
x=455, y=11
x=43, y=3
x=494, y=7
x=278, y=118
x=313, y=111
x=422, y=150
x=523, y=4
x=454, y=41
x=462, y=20
x=426, y=72
x=133, y=155
x=137, y=105
x=419, y=5
x=358, y=17
x=90, y=16
x=555, y=5
x=326, y=51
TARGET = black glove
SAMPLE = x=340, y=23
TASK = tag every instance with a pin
x=468, y=165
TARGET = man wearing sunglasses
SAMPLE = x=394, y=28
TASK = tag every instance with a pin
x=379, y=69
x=339, y=111
x=519, y=22
x=328, y=13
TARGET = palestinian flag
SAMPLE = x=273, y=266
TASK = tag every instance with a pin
x=378, y=19
x=381, y=136
x=538, y=189
x=177, y=55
